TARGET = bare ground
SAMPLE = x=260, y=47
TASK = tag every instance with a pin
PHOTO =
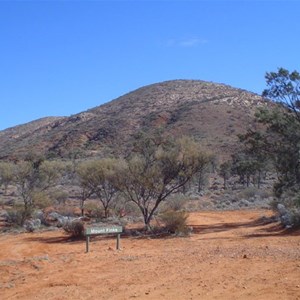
x=229, y=255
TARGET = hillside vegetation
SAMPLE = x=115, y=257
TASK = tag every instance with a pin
x=173, y=138
x=212, y=113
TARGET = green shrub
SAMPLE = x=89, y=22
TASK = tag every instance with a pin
x=41, y=200
x=94, y=210
x=132, y=209
x=175, y=221
x=17, y=215
x=59, y=196
x=175, y=203
x=74, y=228
x=248, y=193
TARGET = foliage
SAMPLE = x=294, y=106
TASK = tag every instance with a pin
x=248, y=167
x=175, y=203
x=34, y=176
x=284, y=87
x=158, y=167
x=175, y=221
x=280, y=142
x=59, y=195
x=94, y=210
x=225, y=171
x=74, y=228
x=100, y=177
x=17, y=215
x=41, y=199
x=6, y=174
x=205, y=162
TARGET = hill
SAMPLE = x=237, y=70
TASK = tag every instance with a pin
x=213, y=113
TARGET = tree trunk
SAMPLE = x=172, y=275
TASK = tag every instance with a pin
x=225, y=183
x=106, y=212
x=82, y=207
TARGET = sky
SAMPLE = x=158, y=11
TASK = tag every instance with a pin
x=59, y=58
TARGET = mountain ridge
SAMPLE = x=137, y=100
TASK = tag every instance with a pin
x=213, y=113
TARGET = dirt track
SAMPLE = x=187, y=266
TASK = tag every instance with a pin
x=230, y=255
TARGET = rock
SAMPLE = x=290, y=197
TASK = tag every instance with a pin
x=281, y=209
x=53, y=216
x=58, y=220
x=32, y=225
x=61, y=221
x=285, y=216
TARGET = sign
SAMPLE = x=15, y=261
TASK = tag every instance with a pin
x=91, y=231
x=103, y=230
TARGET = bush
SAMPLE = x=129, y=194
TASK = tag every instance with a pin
x=288, y=207
x=41, y=200
x=93, y=210
x=74, y=228
x=59, y=196
x=175, y=203
x=175, y=221
x=248, y=193
x=18, y=215
x=67, y=211
x=132, y=209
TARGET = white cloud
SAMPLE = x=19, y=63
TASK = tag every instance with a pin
x=186, y=43
x=192, y=42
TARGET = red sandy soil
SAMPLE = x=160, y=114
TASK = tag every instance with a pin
x=229, y=255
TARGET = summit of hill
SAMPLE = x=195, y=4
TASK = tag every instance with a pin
x=214, y=114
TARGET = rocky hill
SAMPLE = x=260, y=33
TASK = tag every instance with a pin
x=213, y=113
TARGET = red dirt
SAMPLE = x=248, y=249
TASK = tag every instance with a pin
x=229, y=255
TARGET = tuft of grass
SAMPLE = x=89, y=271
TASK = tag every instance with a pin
x=175, y=221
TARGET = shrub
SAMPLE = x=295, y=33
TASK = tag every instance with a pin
x=59, y=196
x=93, y=210
x=296, y=217
x=264, y=194
x=67, y=211
x=248, y=193
x=41, y=200
x=175, y=221
x=74, y=228
x=132, y=209
x=175, y=203
x=18, y=215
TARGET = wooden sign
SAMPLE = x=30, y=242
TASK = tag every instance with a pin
x=103, y=230
x=93, y=231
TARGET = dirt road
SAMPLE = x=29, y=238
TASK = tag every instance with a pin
x=229, y=255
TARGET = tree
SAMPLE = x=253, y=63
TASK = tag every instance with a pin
x=284, y=87
x=99, y=177
x=280, y=141
x=244, y=167
x=225, y=172
x=6, y=175
x=157, y=168
x=35, y=176
x=205, y=161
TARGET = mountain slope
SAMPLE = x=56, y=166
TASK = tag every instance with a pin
x=213, y=113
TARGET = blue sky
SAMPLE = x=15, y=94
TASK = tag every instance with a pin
x=59, y=58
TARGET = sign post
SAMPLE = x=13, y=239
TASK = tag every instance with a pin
x=93, y=231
